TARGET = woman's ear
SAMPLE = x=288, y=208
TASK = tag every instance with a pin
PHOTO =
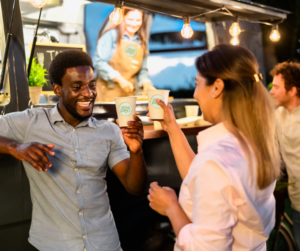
x=217, y=88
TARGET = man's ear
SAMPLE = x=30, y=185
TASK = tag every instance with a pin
x=293, y=92
x=57, y=90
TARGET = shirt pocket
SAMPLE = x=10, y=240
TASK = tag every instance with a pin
x=97, y=153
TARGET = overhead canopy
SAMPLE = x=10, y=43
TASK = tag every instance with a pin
x=244, y=9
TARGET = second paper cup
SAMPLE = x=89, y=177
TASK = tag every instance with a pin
x=125, y=107
x=156, y=112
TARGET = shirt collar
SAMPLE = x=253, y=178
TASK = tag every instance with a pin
x=211, y=135
x=131, y=38
x=55, y=116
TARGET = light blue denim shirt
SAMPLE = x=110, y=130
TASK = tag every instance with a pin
x=106, y=48
x=70, y=204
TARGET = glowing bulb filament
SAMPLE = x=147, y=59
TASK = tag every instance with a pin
x=235, y=41
x=275, y=35
x=235, y=29
x=187, y=31
x=38, y=3
x=116, y=17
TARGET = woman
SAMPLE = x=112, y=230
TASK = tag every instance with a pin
x=226, y=199
x=121, y=57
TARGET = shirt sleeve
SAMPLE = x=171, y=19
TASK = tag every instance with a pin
x=14, y=125
x=142, y=75
x=118, y=148
x=214, y=211
x=106, y=47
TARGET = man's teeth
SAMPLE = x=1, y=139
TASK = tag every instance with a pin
x=84, y=104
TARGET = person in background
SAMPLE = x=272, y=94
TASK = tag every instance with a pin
x=286, y=92
x=121, y=57
x=226, y=199
x=66, y=153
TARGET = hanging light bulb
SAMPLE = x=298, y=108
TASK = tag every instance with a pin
x=116, y=17
x=275, y=35
x=187, y=31
x=235, y=29
x=38, y=3
x=235, y=40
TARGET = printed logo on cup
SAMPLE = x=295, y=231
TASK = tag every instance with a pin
x=153, y=101
x=125, y=109
x=131, y=50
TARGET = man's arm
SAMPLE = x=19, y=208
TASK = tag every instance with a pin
x=132, y=172
x=33, y=153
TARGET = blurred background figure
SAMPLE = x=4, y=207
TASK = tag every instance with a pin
x=121, y=57
x=286, y=92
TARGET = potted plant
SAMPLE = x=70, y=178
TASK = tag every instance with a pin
x=36, y=81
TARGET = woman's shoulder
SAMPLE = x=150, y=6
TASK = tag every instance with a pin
x=109, y=35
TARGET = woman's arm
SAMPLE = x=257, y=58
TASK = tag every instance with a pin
x=106, y=47
x=181, y=148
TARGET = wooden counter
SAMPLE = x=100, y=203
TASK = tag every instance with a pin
x=150, y=133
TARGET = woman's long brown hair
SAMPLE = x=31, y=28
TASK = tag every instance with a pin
x=247, y=108
x=121, y=29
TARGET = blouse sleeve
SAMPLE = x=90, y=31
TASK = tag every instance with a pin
x=214, y=211
x=104, y=52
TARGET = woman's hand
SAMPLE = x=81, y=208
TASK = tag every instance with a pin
x=169, y=120
x=162, y=199
x=124, y=84
x=134, y=134
x=148, y=86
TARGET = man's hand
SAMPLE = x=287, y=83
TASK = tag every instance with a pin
x=134, y=134
x=35, y=154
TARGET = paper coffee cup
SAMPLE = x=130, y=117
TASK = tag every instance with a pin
x=156, y=112
x=191, y=111
x=125, y=107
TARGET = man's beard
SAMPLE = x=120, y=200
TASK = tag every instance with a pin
x=74, y=113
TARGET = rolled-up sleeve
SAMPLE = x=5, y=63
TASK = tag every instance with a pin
x=104, y=52
x=118, y=148
x=214, y=211
x=142, y=76
x=14, y=125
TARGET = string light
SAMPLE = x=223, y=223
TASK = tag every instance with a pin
x=38, y=3
x=187, y=31
x=235, y=40
x=235, y=29
x=116, y=17
x=275, y=35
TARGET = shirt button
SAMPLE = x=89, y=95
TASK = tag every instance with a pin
x=75, y=151
x=80, y=213
x=73, y=129
x=84, y=237
x=75, y=169
x=78, y=191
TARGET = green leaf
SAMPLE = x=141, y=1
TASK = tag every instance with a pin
x=37, y=74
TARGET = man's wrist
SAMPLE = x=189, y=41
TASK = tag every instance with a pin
x=139, y=152
x=12, y=147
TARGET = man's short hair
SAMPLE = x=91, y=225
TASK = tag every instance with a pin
x=65, y=60
x=290, y=72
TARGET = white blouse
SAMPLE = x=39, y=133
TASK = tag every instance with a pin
x=221, y=198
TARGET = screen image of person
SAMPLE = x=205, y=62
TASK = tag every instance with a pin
x=121, y=57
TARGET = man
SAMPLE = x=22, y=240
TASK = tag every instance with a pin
x=66, y=153
x=286, y=92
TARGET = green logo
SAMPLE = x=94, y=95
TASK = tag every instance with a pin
x=131, y=50
x=153, y=101
x=125, y=109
